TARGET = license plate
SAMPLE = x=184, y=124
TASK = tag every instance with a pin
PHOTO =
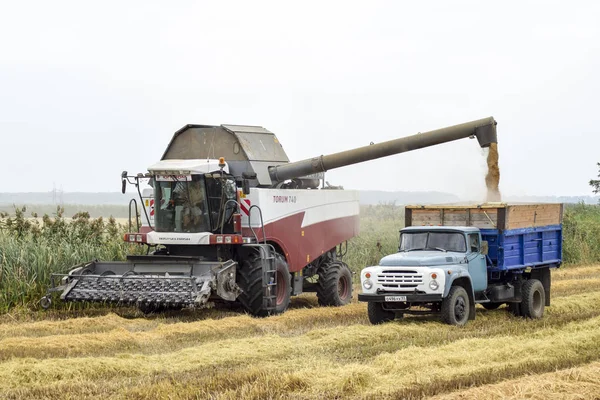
x=395, y=298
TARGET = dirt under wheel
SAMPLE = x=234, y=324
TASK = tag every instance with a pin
x=334, y=287
x=377, y=315
x=455, y=307
x=534, y=299
x=250, y=280
x=491, y=305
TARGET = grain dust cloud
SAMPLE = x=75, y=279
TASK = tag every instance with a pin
x=492, y=179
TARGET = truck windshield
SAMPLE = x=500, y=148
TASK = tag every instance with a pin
x=180, y=204
x=443, y=241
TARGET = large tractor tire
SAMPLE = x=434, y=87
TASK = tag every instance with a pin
x=250, y=277
x=334, y=287
x=534, y=299
x=455, y=307
x=377, y=315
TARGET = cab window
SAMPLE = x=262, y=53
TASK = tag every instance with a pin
x=474, y=242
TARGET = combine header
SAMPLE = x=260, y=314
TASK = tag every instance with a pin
x=231, y=219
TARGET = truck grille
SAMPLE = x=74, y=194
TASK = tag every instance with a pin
x=399, y=279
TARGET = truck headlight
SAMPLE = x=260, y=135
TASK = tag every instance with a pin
x=434, y=285
x=367, y=284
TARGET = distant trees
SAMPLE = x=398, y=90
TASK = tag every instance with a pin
x=595, y=183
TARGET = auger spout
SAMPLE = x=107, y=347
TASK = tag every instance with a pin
x=483, y=129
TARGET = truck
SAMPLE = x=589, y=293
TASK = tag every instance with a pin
x=452, y=257
x=229, y=219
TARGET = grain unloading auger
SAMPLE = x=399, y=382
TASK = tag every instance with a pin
x=229, y=218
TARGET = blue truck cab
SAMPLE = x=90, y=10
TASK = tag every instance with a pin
x=452, y=257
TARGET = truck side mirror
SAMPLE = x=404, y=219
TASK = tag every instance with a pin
x=246, y=186
x=484, y=247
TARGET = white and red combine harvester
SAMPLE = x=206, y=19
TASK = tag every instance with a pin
x=229, y=218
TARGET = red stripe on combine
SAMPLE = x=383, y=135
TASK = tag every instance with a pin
x=317, y=239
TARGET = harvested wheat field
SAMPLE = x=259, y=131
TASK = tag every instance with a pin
x=307, y=353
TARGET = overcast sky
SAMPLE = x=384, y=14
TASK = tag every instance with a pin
x=88, y=89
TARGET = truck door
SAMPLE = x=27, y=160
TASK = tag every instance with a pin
x=477, y=264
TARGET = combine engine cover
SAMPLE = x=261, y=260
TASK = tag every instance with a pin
x=305, y=224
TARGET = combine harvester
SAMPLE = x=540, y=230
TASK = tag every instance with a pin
x=232, y=220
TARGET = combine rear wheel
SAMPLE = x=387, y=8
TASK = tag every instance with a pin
x=334, y=287
x=250, y=280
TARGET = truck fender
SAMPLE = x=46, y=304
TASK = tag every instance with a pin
x=462, y=278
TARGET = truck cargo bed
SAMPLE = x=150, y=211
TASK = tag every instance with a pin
x=518, y=235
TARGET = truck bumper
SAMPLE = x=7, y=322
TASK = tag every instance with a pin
x=410, y=298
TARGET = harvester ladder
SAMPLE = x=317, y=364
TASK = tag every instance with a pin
x=270, y=280
x=268, y=254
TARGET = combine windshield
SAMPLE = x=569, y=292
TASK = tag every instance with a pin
x=441, y=241
x=194, y=203
x=180, y=204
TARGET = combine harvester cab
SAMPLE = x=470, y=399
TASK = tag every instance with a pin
x=230, y=219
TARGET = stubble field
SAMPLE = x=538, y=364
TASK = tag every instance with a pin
x=307, y=353
x=74, y=352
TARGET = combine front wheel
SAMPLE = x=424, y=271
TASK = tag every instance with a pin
x=250, y=280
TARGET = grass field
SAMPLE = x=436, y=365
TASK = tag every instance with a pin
x=307, y=353
x=74, y=352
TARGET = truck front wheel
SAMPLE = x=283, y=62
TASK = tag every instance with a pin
x=377, y=315
x=455, y=307
x=534, y=299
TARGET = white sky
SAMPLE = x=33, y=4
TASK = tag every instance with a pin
x=88, y=89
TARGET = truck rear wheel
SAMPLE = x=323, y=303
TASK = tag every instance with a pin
x=455, y=306
x=534, y=299
x=250, y=280
x=334, y=287
x=377, y=315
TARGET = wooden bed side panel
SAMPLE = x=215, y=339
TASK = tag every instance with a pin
x=533, y=215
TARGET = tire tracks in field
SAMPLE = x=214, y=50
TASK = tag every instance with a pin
x=319, y=321
x=580, y=383
x=273, y=370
